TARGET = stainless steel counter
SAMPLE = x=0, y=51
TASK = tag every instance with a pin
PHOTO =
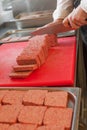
x=6, y=27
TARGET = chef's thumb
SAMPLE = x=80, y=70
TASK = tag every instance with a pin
x=66, y=22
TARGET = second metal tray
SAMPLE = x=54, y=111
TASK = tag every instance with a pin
x=16, y=35
x=73, y=100
x=33, y=19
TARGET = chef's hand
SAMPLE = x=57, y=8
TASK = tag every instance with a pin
x=50, y=28
x=77, y=18
x=57, y=21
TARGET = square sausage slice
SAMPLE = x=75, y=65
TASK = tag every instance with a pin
x=51, y=127
x=34, y=97
x=57, y=99
x=9, y=113
x=4, y=126
x=32, y=114
x=13, y=97
x=22, y=74
x=2, y=94
x=18, y=68
x=19, y=126
x=58, y=116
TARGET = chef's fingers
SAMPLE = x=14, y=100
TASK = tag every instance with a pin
x=66, y=22
x=79, y=22
x=69, y=23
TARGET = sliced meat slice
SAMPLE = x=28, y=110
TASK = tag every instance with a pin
x=32, y=114
x=20, y=74
x=51, y=127
x=2, y=94
x=34, y=97
x=9, y=113
x=61, y=116
x=25, y=67
x=28, y=59
x=4, y=126
x=41, y=56
x=57, y=99
x=13, y=97
x=19, y=126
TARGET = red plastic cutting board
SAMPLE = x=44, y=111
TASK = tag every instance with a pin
x=58, y=70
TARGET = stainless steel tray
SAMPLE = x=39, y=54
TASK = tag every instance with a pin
x=33, y=19
x=73, y=102
x=34, y=14
x=16, y=35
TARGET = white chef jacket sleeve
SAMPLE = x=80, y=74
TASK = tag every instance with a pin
x=83, y=5
x=64, y=7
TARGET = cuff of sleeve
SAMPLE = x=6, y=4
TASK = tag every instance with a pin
x=60, y=13
x=83, y=5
